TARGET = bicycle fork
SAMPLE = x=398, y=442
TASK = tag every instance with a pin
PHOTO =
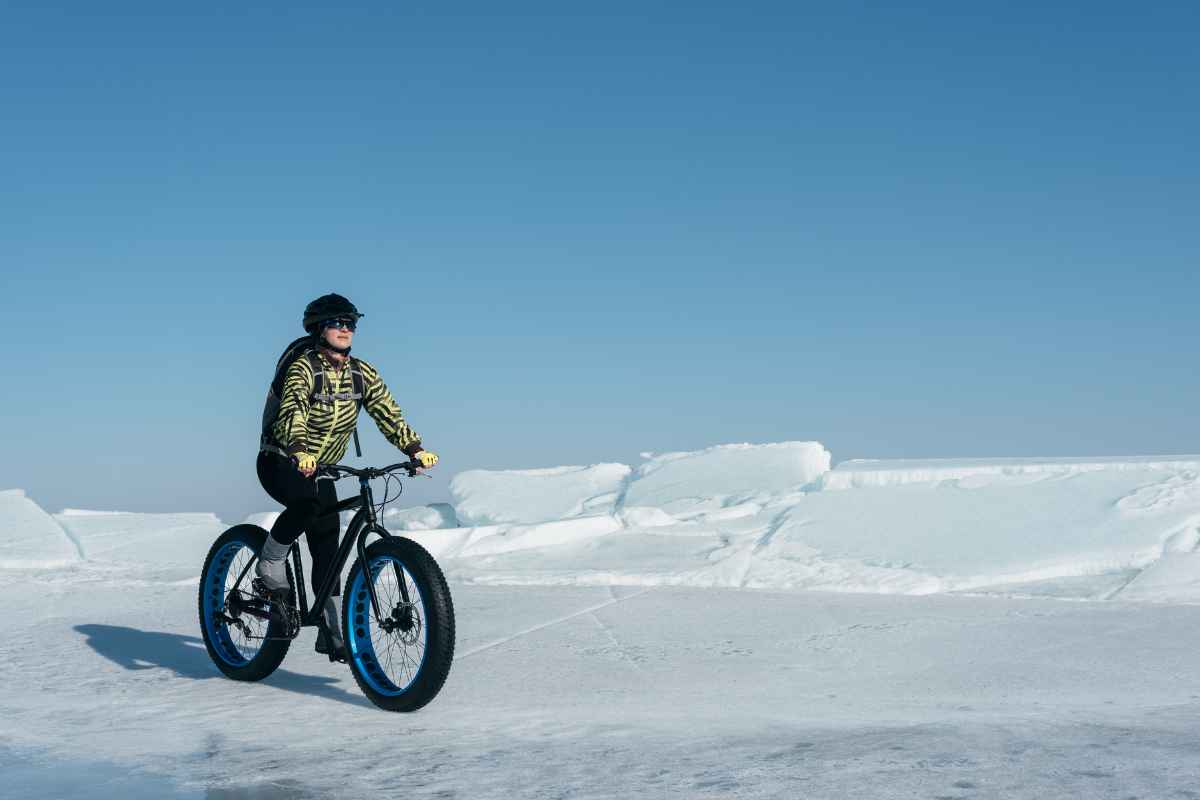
x=386, y=622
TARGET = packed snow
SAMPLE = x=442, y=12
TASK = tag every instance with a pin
x=778, y=517
x=704, y=624
x=685, y=483
x=29, y=537
x=861, y=473
x=175, y=542
x=421, y=518
x=484, y=497
x=773, y=516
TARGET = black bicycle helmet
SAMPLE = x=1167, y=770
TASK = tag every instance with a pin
x=329, y=306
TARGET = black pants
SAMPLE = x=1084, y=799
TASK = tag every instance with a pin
x=307, y=507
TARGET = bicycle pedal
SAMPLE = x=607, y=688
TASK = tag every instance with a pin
x=278, y=595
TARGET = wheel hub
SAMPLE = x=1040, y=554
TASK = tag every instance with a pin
x=401, y=619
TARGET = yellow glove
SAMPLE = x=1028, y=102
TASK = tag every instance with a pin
x=306, y=463
x=426, y=458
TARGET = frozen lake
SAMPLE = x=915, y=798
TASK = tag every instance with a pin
x=600, y=692
x=744, y=621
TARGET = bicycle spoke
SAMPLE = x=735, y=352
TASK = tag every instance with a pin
x=398, y=652
x=247, y=645
x=230, y=614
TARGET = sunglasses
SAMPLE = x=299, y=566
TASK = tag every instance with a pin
x=343, y=323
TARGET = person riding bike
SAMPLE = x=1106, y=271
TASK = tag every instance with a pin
x=314, y=427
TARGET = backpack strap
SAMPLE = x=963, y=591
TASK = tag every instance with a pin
x=318, y=370
x=320, y=392
x=360, y=383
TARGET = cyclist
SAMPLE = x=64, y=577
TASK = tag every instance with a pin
x=314, y=426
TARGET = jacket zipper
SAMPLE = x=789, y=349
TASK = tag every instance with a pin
x=330, y=391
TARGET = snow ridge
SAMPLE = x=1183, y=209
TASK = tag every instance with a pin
x=864, y=473
x=773, y=516
x=29, y=537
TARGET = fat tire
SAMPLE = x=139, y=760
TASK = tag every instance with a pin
x=438, y=622
x=272, y=651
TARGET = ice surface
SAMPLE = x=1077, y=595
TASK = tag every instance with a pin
x=1005, y=528
x=646, y=517
x=775, y=517
x=158, y=539
x=264, y=520
x=607, y=621
x=1175, y=577
x=862, y=473
x=29, y=536
x=600, y=692
x=767, y=517
x=420, y=518
x=707, y=479
x=536, y=495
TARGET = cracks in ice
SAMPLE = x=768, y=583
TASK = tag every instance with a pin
x=763, y=541
x=73, y=539
x=542, y=626
x=773, y=528
x=1162, y=495
x=623, y=492
x=624, y=651
x=1185, y=539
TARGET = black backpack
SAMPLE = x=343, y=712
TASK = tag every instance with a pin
x=303, y=348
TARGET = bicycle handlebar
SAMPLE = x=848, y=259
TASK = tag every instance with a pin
x=342, y=470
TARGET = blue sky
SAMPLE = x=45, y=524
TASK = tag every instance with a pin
x=578, y=235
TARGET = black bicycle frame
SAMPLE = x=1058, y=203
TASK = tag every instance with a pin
x=361, y=525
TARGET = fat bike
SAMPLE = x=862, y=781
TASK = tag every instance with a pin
x=397, y=615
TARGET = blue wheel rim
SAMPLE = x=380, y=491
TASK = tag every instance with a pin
x=216, y=586
x=389, y=662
